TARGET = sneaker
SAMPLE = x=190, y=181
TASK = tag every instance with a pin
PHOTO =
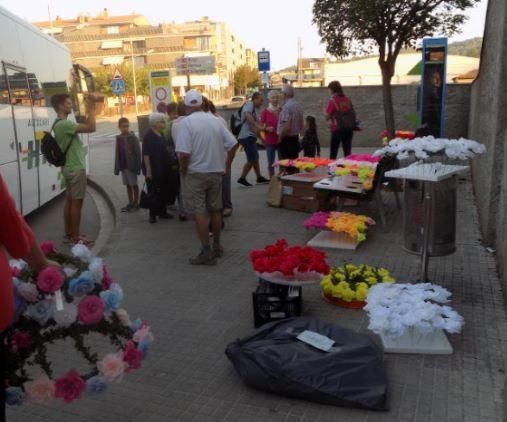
x=244, y=182
x=218, y=251
x=135, y=207
x=226, y=212
x=127, y=208
x=262, y=180
x=204, y=258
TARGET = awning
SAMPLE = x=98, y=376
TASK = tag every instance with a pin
x=112, y=60
x=111, y=44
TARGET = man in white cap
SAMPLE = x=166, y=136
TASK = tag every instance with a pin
x=290, y=124
x=201, y=144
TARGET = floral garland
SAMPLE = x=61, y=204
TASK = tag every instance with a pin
x=289, y=263
x=352, y=224
x=422, y=148
x=352, y=283
x=393, y=309
x=70, y=303
x=304, y=163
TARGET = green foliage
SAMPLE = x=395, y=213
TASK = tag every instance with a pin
x=104, y=75
x=246, y=77
x=469, y=48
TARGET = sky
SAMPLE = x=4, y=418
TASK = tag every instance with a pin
x=272, y=24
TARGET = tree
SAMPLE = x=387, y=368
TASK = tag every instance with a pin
x=360, y=26
x=103, y=76
x=245, y=77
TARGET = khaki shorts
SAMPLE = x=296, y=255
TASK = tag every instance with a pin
x=202, y=192
x=75, y=182
x=129, y=178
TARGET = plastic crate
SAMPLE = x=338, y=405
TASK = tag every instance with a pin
x=272, y=302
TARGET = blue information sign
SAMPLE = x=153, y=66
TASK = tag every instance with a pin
x=264, y=61
x=118, y=86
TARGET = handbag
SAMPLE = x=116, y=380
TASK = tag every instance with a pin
x=274, y=198
x=147, y=199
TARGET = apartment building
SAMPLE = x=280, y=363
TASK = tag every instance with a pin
x=106, y=40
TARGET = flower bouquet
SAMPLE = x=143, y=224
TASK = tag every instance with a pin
x=424, y=147
x=283, y=264
x=68, y=304
x=348, y=285
x=304, y=163
x=353, y=225
x=395, y=309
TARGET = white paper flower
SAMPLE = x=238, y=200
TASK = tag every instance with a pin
x=69, y=271
x=96, y=267
x=123, y=316
x=82, y=252
x=17, y=263
x=67, y=316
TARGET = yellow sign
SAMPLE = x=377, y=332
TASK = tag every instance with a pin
x=161, y=90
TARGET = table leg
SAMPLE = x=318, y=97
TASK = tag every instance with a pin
x=428, y=208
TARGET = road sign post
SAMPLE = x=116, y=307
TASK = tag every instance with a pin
x=118, y=87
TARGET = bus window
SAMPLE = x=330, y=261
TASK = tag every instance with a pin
x=19, y=92
x=82, y=83
x=38, y=98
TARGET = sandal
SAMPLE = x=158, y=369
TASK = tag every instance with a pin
x=83, y=241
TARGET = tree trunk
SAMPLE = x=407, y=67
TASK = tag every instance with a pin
x=388, y=100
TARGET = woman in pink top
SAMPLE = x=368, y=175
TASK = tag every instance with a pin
x=269, y=122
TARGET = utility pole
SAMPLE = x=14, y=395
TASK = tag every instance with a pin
x=300, y=55
x=50, y=22
x=134, y=73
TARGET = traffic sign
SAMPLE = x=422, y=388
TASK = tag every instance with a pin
x=118, y=86
x=117, y=74
x=198, y=65
x=264, y=62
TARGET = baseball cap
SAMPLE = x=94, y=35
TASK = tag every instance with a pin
x=193, y=98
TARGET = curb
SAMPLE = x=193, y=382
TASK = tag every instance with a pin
x=104, y=246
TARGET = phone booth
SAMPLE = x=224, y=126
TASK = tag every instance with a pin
x=433, y=80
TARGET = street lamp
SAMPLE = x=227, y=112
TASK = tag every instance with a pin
x=151, y=50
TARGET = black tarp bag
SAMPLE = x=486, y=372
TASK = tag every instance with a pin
x=351, y=374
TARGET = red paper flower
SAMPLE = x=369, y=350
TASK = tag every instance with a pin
x=48, y=247
x=70, y=387
x=20, y=340
x=49, y=280
x=106, y=279
x=132, y=356
x=91, y=310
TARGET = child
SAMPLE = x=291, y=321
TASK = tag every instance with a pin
x=310, y=143
x=128, y=163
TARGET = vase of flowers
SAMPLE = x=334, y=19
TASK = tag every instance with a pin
x=348, y=285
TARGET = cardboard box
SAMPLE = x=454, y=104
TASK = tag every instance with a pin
x=298, y=203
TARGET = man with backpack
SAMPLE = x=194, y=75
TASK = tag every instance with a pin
x=249, y=128
x=342, y=116
x=74, y=161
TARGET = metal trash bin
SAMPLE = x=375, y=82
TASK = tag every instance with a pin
x=442, y=233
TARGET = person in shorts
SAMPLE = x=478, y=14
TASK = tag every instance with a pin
x=74, y=171
x=128, y=163
x=247, y=138
x=201, y=142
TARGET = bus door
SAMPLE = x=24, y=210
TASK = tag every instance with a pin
x=27, y=148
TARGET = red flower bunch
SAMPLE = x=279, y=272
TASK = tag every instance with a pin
x=287, y=260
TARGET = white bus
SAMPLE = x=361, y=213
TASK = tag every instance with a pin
x=33, y=67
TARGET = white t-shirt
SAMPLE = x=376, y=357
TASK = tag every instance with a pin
x=174, y=128
x=205, y=138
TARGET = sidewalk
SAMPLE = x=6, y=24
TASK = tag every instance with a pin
x=196, y=312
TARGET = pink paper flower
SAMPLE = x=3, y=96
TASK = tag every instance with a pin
x=49, y=280
x=143, y=334
x=41, y=390
x=20, y=340
x=112, y=367
x=70, y=387
x=91, y=310
x=106, y=280
x=15, y=272
x=28, y=291
x=48, y=247
x=132, y=357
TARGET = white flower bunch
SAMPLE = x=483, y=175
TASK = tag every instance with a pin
x=457, y=149
x=393, y=308
x=82, y=252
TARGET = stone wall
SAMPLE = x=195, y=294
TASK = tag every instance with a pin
x=369, y=108
x=488, y=124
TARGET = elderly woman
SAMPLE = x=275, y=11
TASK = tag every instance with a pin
x=269, y=121
x=156, y=167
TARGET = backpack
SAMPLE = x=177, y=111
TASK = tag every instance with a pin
x=344, y=115
x=51, y=150
x=235, y=122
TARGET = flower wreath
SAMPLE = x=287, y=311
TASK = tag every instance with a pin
x=70, y=303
